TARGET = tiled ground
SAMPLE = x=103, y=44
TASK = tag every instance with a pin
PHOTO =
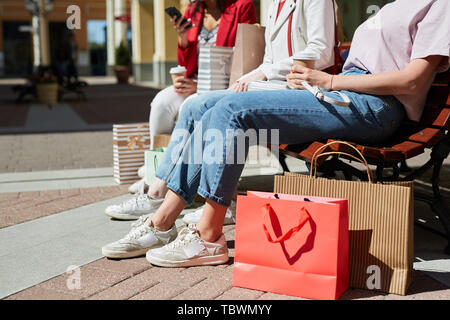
x=55, y=151
x=136, y=279
x=19, y=207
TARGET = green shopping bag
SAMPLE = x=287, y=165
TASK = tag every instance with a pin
x=152, y=160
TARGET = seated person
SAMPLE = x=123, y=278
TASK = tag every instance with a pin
x=214, y=23
x=387, y=77
x=312, y=25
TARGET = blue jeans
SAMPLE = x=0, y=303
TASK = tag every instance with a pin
x=297, y=114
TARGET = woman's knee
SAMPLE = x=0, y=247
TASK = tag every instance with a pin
x=198, y=106
x=195, y=108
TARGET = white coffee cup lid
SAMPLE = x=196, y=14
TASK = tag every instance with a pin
x=179, y=69
x=306, y=56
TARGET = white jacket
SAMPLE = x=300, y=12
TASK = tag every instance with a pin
x=313, y=28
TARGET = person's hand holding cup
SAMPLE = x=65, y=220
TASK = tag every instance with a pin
x=182, y=85
x=303, y=59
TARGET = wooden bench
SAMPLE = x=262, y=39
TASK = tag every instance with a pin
x=411, y=140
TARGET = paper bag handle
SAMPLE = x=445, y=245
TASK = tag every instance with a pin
x=304, y=217
x=318, y=154
x=155, y=162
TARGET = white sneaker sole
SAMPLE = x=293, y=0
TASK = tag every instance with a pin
x=127, y=254
x=201, y=261
x=128, y=216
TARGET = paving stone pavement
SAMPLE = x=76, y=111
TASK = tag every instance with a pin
x=56, y=151
x=18, y=207
x=136, y=279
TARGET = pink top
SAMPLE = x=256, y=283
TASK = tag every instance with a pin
x=401, y=32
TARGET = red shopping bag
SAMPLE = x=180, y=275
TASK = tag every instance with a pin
x=292, y=245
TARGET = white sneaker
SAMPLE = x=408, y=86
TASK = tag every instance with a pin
x=133, y=208
x=138, y=241
x=188, y=250
x=137, y=187
x=141, y=172
x=194, y=217
x=142, y=219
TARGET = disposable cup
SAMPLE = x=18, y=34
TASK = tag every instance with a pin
x=177, y=72
x=305, y=59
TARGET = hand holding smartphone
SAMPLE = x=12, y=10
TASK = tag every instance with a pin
x=174, y=12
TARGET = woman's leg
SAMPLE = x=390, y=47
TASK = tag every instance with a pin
x=290, y=116
x=225, y=133
x=192, y=110
x=163, y=112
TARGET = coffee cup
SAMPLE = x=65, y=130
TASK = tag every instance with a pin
x=305, y=59
x=177, y=72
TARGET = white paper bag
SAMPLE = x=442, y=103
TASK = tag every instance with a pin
x=214, y=68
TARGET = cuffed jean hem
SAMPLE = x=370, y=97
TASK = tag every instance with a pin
x=214, y=198
x=184, y=195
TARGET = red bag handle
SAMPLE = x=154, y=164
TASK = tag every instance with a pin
x=304, y=217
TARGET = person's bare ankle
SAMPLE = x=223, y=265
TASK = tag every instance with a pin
x=209, y=235
x=154, y=195
x=159, y=226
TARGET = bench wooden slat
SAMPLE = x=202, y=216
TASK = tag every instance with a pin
x=409, y=149
x=391, y=154
x=369, y=152
x=436, y=117
x=303, y=151
x=428, y=137
x=308, y=152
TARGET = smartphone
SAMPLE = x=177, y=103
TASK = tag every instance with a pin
x=174, y=12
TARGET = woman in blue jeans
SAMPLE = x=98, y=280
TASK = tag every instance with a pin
x=385, y=84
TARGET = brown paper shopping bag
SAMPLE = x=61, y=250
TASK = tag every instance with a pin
x=380, y=225
x=248, y=51
x=161, y=141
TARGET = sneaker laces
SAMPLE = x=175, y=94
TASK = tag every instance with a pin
x=187, y=235
x=138, y=232
x=140, y=221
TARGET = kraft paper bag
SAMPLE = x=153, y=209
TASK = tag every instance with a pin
x=161, y=141
x=248, y=51
x=291, y=245
x=380, y=227
x=152, y=160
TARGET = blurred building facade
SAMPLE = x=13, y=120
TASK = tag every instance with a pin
x=141, y=24
x=17, y=44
